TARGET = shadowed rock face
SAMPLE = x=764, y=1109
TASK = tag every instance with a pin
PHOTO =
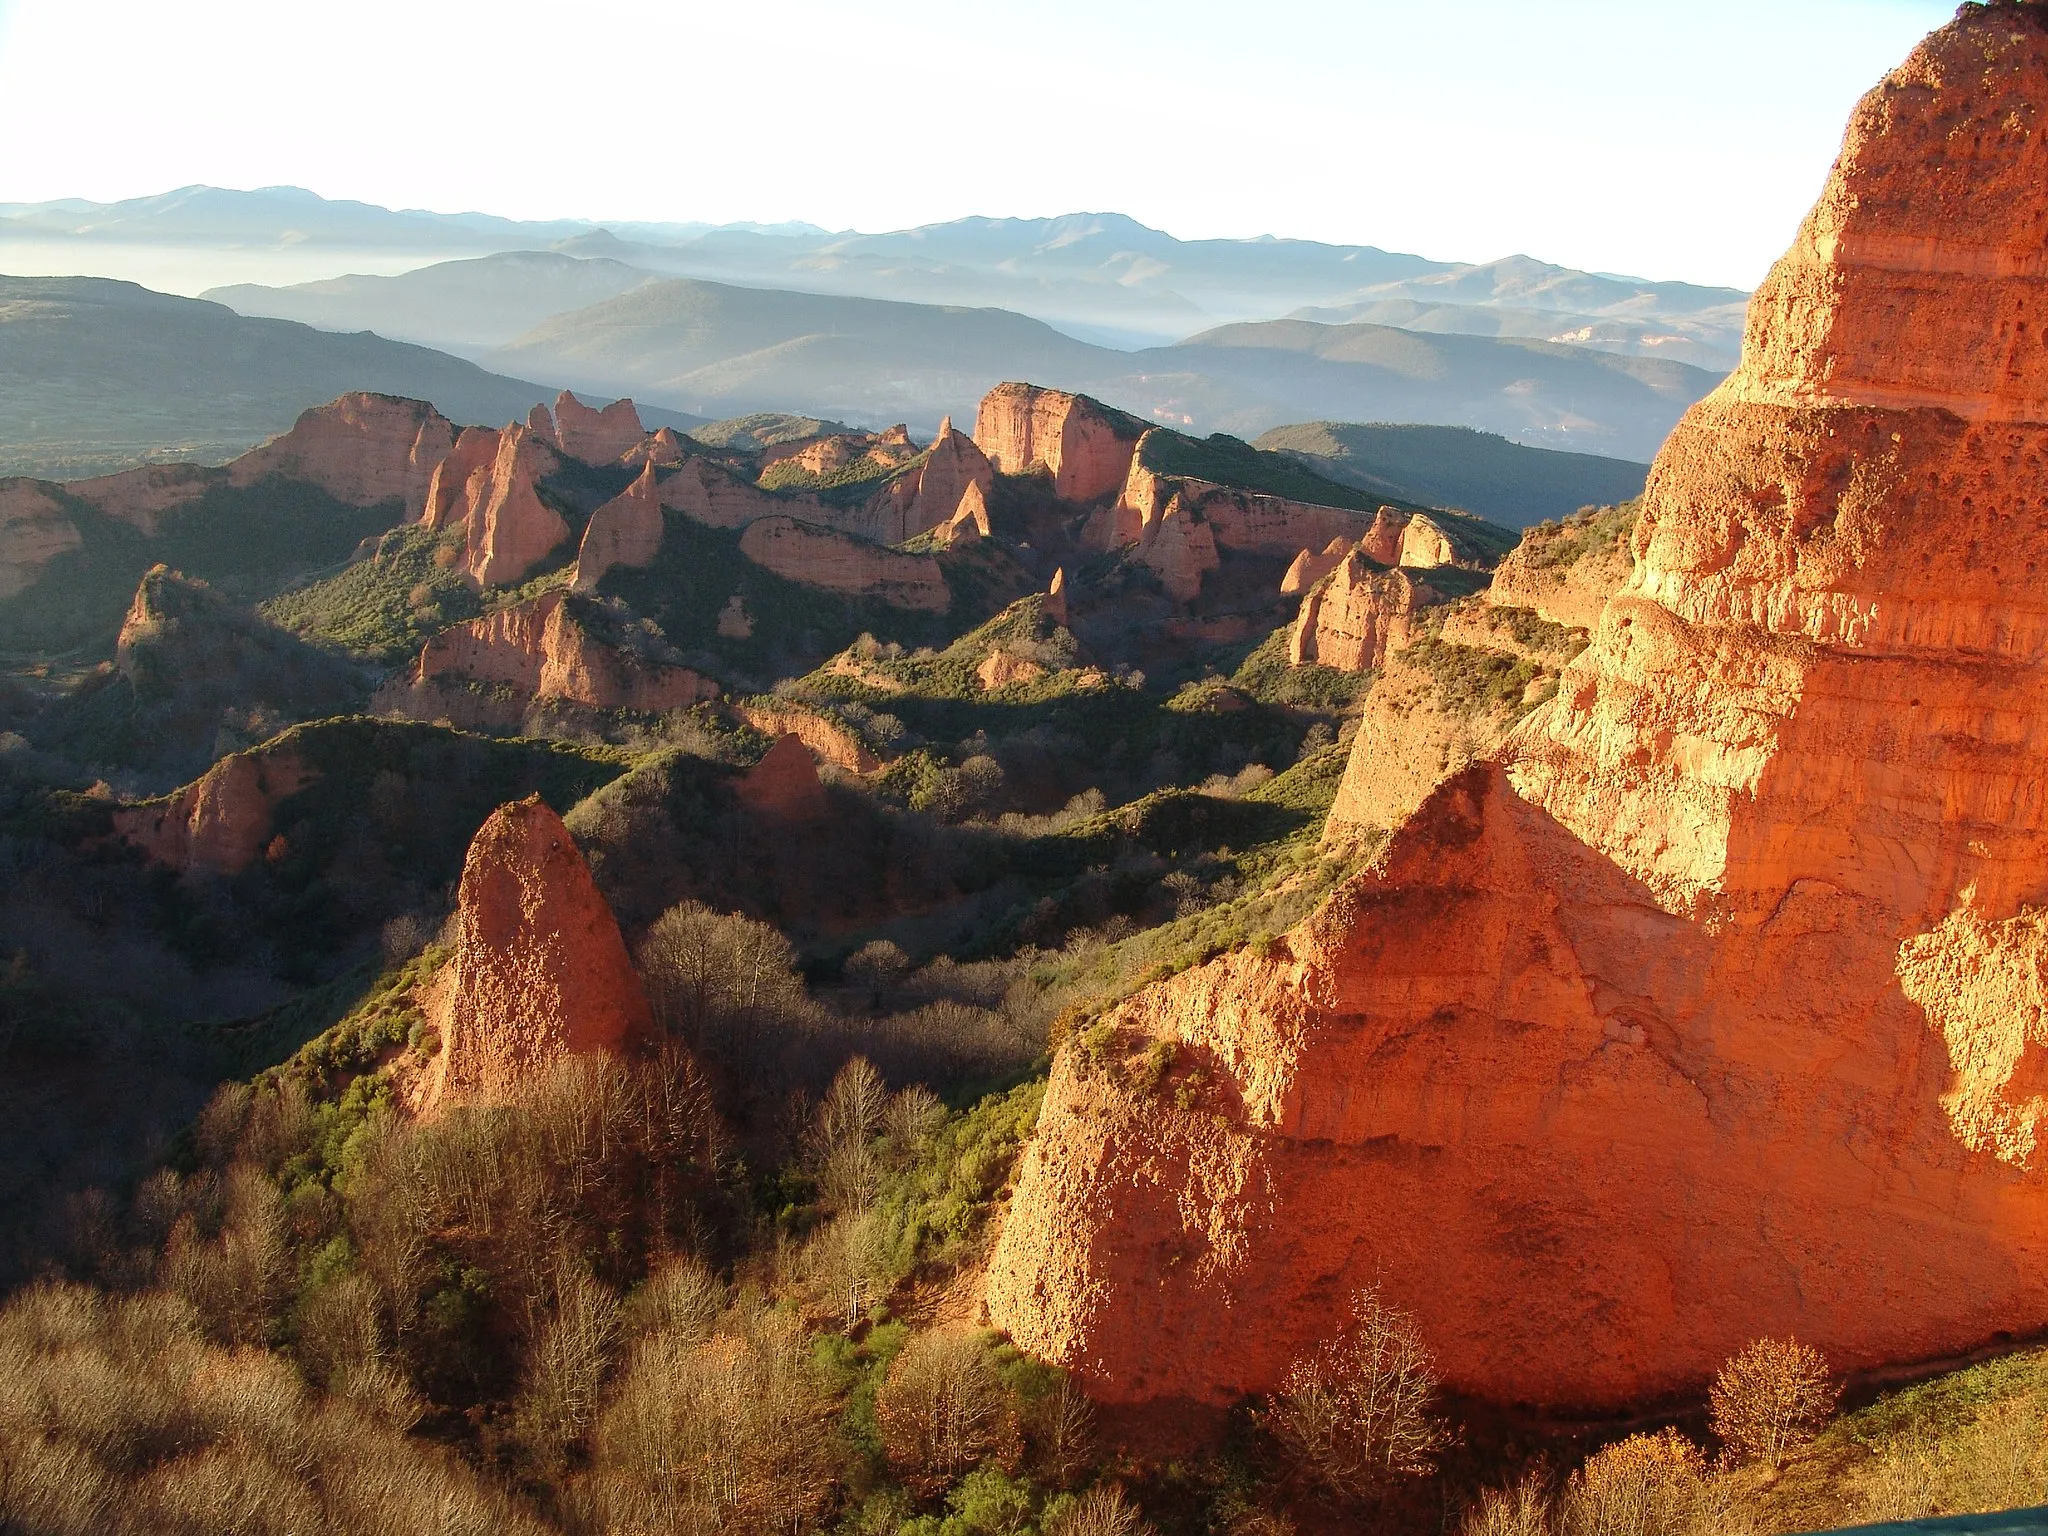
x=839, y=562
x=221, y=822
x=542, y=649
x=1709, y=1008
x=539, y=972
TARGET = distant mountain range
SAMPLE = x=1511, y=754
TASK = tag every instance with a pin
x=97, y=375
x=1102, y=277
x=720, y=349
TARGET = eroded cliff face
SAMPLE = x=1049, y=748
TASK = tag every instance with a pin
x=539, y=971
x=1360, y=613
x=361, y=449
x=488, y=486
x=1085, y=448
x=624, y=531
x=839, y=562
x=220, y=823
x=551, y=648
x=594, y=436
x=1708, y=1007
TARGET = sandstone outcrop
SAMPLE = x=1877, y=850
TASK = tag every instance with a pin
x=220, y=823
x=1056, y=599
x=664, y=449
x=596, y=437
x=1000, y=668
x=1309, y=568
x=839, y=562
x=1353, y=618
x=1566, y=572
x=361, y=449
x=1180, y=549
x=34, y=530
x=1084, y=445
x=937, y=491
x=624, y=531
x=554, y=647
x=539, y=970
x=969, y=522
x=829, y=739
x=488, y=486
x=1701, y=1011
x=784, y=785
x=141, y=497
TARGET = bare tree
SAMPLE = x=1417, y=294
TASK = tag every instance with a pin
x=1770, y=1399
x=941, y=1409
x=1357, y=1415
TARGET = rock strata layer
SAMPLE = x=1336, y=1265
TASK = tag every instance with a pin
x=1704, y=1009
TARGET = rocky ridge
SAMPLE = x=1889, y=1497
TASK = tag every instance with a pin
x=1688, y=1015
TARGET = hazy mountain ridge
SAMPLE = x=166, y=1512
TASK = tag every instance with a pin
x=96, y=375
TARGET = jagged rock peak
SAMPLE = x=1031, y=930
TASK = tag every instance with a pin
x=539, y=971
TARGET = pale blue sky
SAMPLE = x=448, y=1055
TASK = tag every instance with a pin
x=1666, y=138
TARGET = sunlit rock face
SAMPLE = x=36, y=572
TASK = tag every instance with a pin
x=1709, y=1005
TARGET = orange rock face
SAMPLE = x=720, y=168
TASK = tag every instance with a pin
x=1704, y=1011
x=828, y=739
x=539, y=972
x=487, y=486
x=1020, y=427
x=838, y=562
x=34, y=530
x=361, y=449
x=624, y=531
x=221, y=822
x=784, y=785
x=1181, y=549
x=1353, y=619
x=597, y=437
x=540, y=649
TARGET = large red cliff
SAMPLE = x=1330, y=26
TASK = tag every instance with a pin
x=1084, y=447
x=1704, y=1009
x=361, y=449
x=488, y=486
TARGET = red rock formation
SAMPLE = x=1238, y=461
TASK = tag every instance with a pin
x=541, y=423
x=1056, y=599
x=1181, y=549
x=1086, y=449
x=969, y=521
x=539, y=971
x=542, y=649
x=838, y=562
x=1000, y=668
x=953, y=470
x=1308, y=569
x=828, y=739
x=1552, y=578
x=361, y=449
x=663, y=448
x=1355, y=617
x=715, y=496
x=624, y=531
x=34, y=530
x=221, y=822
x=1697, y=1016
x=596, y=437
x=487, y=486
x=784, y=785
x=461, y=482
